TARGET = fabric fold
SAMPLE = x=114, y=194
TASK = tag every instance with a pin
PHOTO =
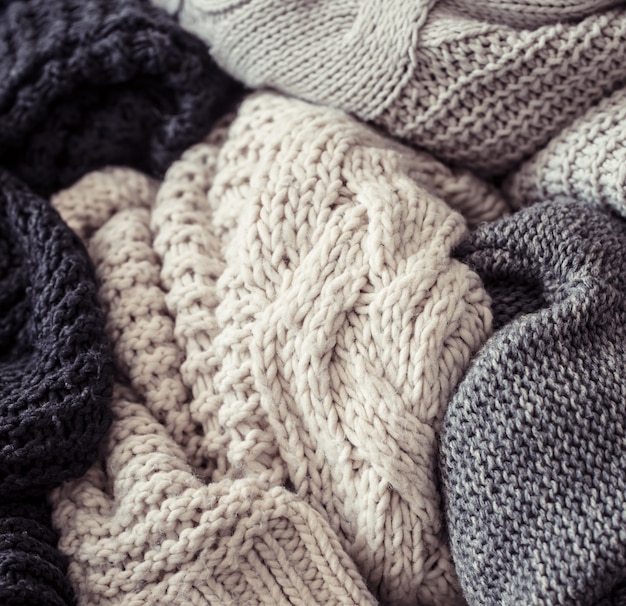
x=87, y=83
x=55, y=386
x=291, y=323
x=32, y=570
x=533, y=442
x=586, y=162
x=482, y=85
x=348, y=54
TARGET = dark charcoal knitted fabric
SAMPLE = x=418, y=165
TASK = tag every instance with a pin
x=86, y=83
x=31, y=568
x=55, y=385
x=533, y=446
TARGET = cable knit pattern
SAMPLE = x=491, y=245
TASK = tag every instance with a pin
x=55, y=386
x=534, y=441
x=586, y=162
x=291, y=325
x=145, y=528
x=86, y=83
x=482, y=84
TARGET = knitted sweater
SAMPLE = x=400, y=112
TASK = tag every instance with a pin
x=585, y=162
x=534, y=441
x=480, y=83
x=288, y=326
x=55, y=386
x=86, y=83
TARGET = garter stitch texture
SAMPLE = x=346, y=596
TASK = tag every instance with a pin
x=534, y=441
x=482, y=84
x=86, y=83
x=55, y=387
x=290, y=324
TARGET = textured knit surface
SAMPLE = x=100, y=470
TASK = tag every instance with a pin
x=487, y=95
x=347, y=53
x=529, y=13
x=32, y=570
x=586, y=162
x=290, y=324
x=534, y=441
x=86, y=83
x=55, y=386
x=481, y=84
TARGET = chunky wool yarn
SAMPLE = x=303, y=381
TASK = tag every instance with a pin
x=150, y=524
x=534, y=441
x=33, y=570
x=480, y=84
x=86, y=83
x=585, y=162
x=55, y=386
x=288, y=326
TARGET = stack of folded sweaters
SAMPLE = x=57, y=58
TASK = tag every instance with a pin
x=313, y=302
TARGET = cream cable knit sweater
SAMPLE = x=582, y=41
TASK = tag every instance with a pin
x=289, y=326
x=479, y=83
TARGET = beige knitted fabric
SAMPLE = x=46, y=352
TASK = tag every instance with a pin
x=480, y=83
x=529, y=13
x=144, y=528
x=486, y=96
x=288, y=325
x=586, y=162
x=355, y=52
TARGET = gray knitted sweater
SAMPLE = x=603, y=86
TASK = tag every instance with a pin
x=482, y=84
x=534, y=441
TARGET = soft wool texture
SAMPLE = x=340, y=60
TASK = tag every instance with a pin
x=86, y=83
x=586, y=162
x=55, y=387
x=349, y=53
x=288, y=326
x=529, y=13
x=479, y=84
x=534, y=441
x=32, y=570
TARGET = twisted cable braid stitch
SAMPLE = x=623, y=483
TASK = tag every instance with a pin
x=290, y=324
x=144, y=526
